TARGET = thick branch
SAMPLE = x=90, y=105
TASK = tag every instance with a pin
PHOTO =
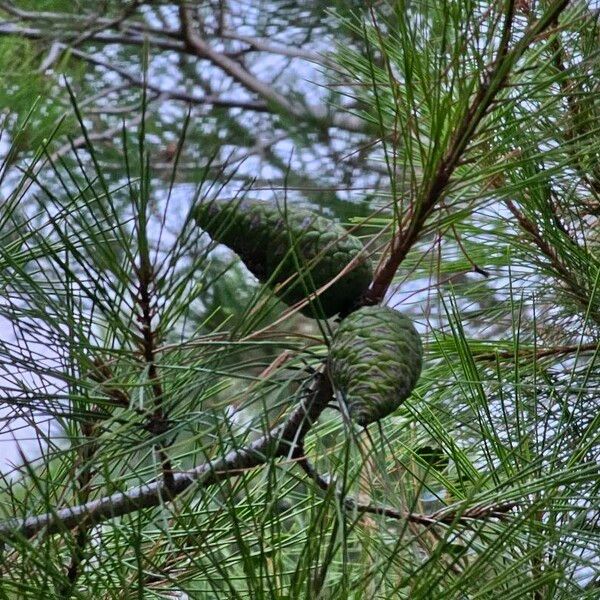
x=279, y=442
x=102, y=37
x=234, y=69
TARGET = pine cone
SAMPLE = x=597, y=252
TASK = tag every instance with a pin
x=375, y=361
x=274, y=241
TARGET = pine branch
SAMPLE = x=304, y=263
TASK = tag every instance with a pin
x=491, y=85
x=578, y=292
x=207, y=99
x=279, y=442
x=283, y=440
x=444, y=516
x=235, y=70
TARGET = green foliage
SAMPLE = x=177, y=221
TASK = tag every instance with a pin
x=134, y=349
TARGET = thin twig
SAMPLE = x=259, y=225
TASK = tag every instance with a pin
x=445, y=516
x=265, y=46
x=214, y=100
x=539, y=353
x=581, y=294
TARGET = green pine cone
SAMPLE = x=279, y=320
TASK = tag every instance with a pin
x=273, y=240
x=375, y=361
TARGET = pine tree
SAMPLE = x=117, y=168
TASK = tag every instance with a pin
x=182, y=431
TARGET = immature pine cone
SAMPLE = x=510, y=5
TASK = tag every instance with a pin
x=274, y=241
x=375, y=361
